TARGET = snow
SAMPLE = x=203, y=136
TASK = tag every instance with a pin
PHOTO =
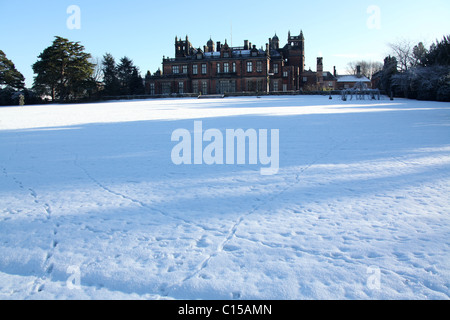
x=92, y=207
x=351, y=78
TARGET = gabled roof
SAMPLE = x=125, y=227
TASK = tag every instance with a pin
x=328, y=76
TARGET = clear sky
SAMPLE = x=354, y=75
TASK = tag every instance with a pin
x=340, y=31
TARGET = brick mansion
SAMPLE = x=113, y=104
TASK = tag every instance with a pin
x=218, y=69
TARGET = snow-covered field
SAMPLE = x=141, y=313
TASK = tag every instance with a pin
x=92, y=207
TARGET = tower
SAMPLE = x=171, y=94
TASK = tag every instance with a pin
x=275, y=42
x=296, y=51
x=296, y=41
x=182, y=47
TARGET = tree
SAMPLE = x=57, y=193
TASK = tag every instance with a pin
x=368, y=68
x=419, y=54
x=125, y=72
x=63, y=70
x=403, y=52
x=137, y=83
x=130, y=80
x=389, y=70
x=423, y=74
x=439, y=53
x=9, y=76
x=110, y=75
x=95, y=83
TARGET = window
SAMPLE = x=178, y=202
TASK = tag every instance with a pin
x=259, y=66
x=285, y=74
x=305, y=79
x=275, y=86
x=166, y=88
x=195, y=69
x=234, y=67
x=175, y=69
x=152, y=88
x=185, y=69
x=275, y=68
x=181, y=87
x=285, y=88
x=226, y=67
x=226, y=55
x=249, y=67
x=195, y=87
x=249, y=85
x=204, y=70
x=226, y=86
x=218, y=67
x=205, y=87
x=254, y=53
x=259, y=86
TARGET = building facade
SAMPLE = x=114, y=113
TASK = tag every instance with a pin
x=319, y=80
x=357, y=81
x=218, y=68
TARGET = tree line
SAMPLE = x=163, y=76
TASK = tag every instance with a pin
x=415, y=72
x=66, y=72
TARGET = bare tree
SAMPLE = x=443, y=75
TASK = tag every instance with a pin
x=97, y=76
x=368, y=68
x=403, y=50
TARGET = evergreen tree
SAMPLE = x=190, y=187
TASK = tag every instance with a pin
x=130, y=80
x=9, y=76
x=389, y=69
x=439, y=53
x=137, y=83
x=419, y=54
x=110, y=75
x=125, y=72
x=63, y=70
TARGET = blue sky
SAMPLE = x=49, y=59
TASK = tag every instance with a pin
x=340, y=31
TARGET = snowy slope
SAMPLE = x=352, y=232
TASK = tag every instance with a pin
x=92, y=207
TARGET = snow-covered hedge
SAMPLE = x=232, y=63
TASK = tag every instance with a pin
x=423, y=83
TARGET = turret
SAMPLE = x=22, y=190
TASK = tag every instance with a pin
x=275, y=42
x=211, y=47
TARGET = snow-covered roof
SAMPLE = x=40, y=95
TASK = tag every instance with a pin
x=241, y=52
x=352, y=78
x=214, y=54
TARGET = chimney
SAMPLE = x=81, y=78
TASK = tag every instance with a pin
x=358, y=71
x=245, y=44
x=219, y=45
x=334, y=72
